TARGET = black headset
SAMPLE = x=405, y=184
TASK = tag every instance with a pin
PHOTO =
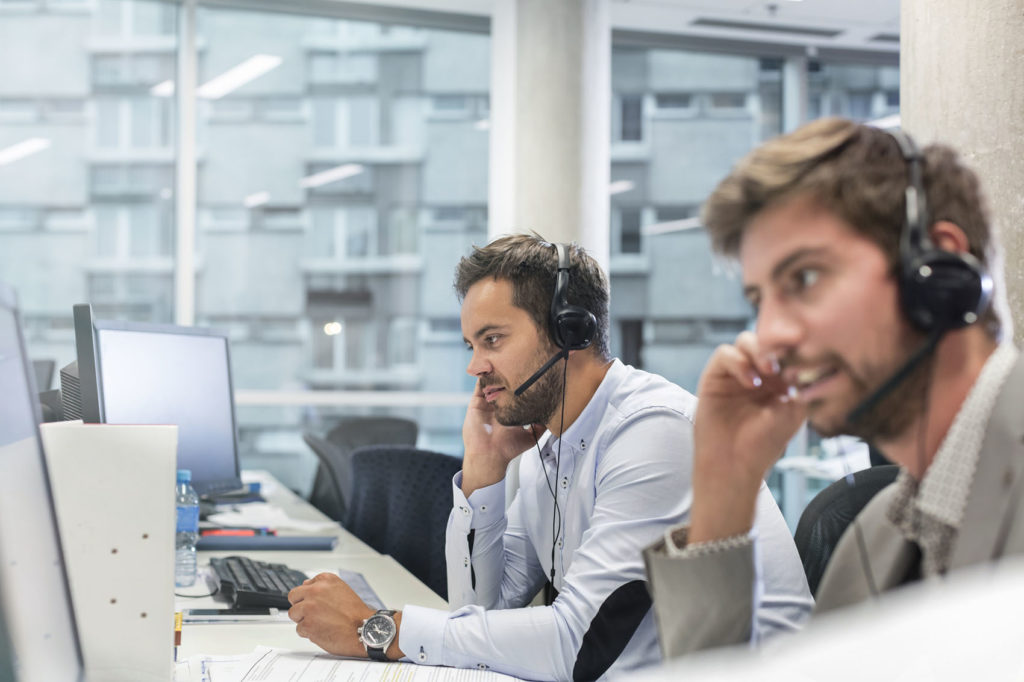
x=939, y=290
x=573, y=327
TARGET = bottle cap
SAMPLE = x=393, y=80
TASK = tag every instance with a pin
x=184, y=475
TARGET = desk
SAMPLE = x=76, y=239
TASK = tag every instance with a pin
x=393, y=584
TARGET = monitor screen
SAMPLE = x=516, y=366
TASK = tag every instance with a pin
x=165, y=374
x=38, y=624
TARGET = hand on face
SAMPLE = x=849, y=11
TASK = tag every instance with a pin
x=327, y=612
x=745, y=416
x=490, y=446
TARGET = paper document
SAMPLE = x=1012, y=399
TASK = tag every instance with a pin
x=263, y=515
x=273, y=665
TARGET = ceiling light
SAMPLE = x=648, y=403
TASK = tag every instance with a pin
x=164, y=89
x=331, y=175
x=673, y=226
x=332, y=328
x=886, y=122
x=257, y=199
x=19, y=151
x=620, y=186
x=234, y=78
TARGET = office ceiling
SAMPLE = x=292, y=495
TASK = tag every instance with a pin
x=864, y=25
x=860, y=24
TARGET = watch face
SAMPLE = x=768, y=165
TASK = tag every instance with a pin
x=378, y=631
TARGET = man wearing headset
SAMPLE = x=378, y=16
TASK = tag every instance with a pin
x=865, y=261
x=605, y=469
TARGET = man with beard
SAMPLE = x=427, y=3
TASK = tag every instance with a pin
x=605, y=470
x=865, y=261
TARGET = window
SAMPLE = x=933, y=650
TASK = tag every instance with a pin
x=346, y=122
x=89, y=214
x=134, y=123
x=629, y=230
x=344, y=233
x=628, y=119
x=674, y=101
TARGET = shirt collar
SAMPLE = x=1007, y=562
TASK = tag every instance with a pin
x=946, y=483
x=582, y=431
x=943, y=491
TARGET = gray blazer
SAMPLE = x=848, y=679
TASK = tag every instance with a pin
x=992, y=527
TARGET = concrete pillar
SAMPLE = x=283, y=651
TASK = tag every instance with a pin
x=962, y=83
x=794, y=93
x=550, y=125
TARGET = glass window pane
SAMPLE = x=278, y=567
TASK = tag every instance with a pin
x=81, y=81
x=344, y=141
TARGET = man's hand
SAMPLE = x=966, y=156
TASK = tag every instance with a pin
x=327, y=612
x=489, y=445
x=745, y=416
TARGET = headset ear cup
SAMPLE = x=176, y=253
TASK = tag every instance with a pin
x=942, y=290
x=574, y=328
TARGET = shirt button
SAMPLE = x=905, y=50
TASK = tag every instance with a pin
x=583, y=444
x=465, y=510
x=559, y=544
x=465, y=561
x=483, y=666
x=483, y=507
x=422, y=656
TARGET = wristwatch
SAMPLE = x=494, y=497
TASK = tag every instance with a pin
x=377, y=632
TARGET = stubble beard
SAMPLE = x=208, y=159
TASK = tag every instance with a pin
x=538, y=403
x=895, y=412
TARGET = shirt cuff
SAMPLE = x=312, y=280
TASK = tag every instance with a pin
x=485, y=507
x=421, y=636
x=677, y=543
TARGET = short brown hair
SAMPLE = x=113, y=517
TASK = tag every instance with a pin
x=857, y=173
x=530, y=264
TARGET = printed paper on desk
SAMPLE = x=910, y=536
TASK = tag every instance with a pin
x=262, y=515
x=273, y=665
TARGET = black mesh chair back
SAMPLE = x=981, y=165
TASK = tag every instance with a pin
x=830, y=512
x=332, y=486
x=400, y=505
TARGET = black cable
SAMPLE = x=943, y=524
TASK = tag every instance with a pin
x=556, y=526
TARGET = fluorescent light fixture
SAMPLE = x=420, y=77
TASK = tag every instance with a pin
x=620, y=186
x=235, y=77
x=886, y=122
x=164, y=89
x=332, y=328
x=673, y=226
x=257, y=199
x=331, y=175
x=483, y=124
x=15, y=152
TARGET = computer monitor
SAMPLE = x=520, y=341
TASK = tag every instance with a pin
x=136, y=373
x=37, y=622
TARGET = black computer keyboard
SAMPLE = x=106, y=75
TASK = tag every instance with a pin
x=247, y=583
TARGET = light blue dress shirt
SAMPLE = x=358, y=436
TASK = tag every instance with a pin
x=623, y=477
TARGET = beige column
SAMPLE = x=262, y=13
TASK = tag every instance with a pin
x=962, y=83
x=550, y=127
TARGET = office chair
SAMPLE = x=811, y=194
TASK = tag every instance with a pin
x=830, y=512
x=400, y=505
x=332, y=486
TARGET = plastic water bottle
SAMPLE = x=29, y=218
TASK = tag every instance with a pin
x=187, y=534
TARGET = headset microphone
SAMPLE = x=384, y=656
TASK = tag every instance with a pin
x=540, y=372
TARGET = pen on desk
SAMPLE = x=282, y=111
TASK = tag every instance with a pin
x=177, y=633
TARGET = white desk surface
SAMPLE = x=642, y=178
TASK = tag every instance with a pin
x=395, y=586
